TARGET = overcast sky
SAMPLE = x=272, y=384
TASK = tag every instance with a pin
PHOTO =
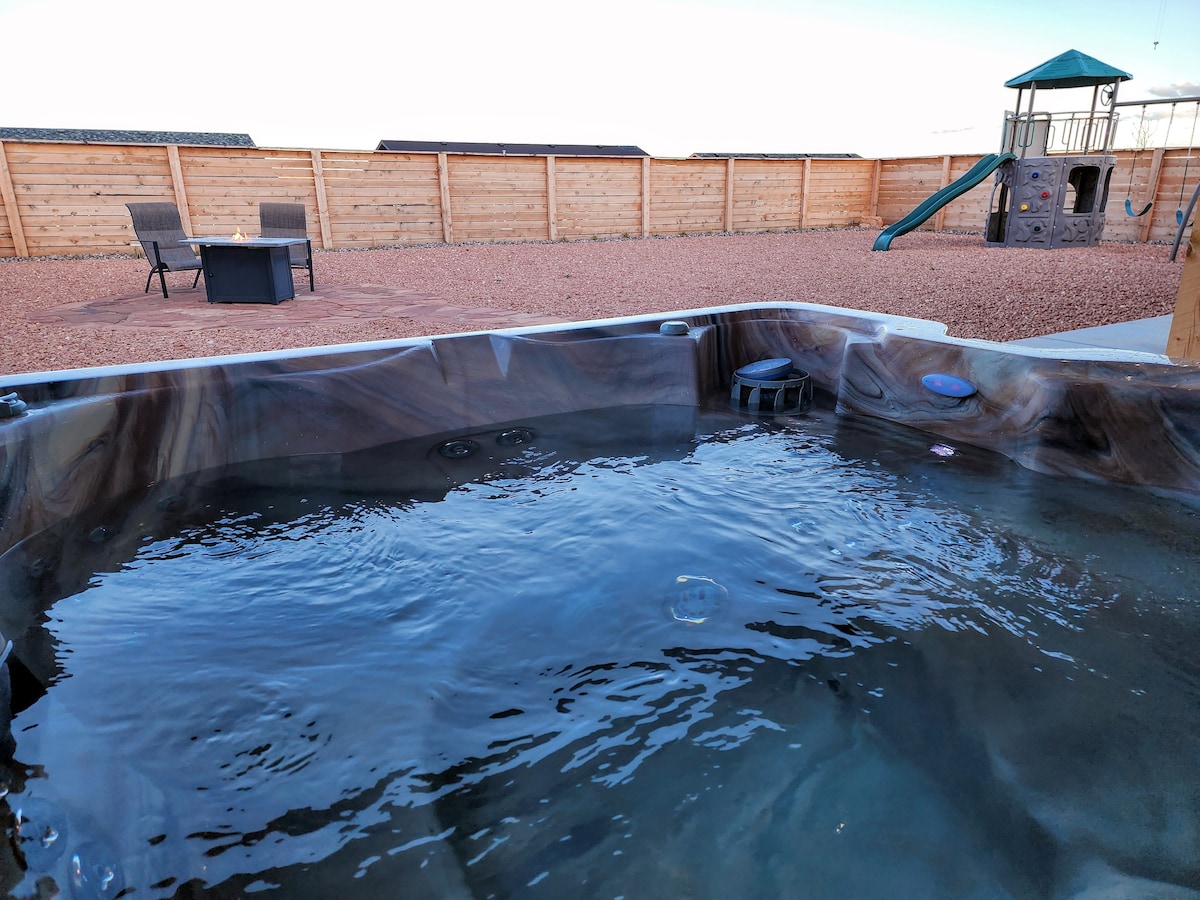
x=673, y=77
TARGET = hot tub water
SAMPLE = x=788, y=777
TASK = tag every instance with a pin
x=887, y=671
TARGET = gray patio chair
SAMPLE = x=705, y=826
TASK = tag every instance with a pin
x=288, y=220
x=159, y=231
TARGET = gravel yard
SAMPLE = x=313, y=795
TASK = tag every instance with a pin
x=995, y=294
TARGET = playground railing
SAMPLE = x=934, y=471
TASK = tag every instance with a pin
x=1043, y=133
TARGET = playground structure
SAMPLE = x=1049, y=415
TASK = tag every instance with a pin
x=1056, y=201
x=1054, y=171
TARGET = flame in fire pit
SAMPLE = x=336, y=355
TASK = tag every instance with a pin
x=238, y=236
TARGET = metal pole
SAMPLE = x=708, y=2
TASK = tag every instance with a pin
x=1111, y=137
x=1151, y=102
x=1029, y=122
x=1011, y=137
x=1087, y=135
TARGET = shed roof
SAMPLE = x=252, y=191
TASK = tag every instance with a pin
x=775, y=156
x=512, y=149
x=1070, y=69
x=123, y=136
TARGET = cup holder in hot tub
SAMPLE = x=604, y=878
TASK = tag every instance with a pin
x=772, y=387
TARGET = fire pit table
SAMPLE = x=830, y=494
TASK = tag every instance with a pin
x=246, y=270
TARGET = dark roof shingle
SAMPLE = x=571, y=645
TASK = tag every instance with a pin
x=775, y=156
x=512, y=149
x=122, y=136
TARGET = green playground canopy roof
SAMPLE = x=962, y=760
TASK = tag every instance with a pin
x=1070, y=69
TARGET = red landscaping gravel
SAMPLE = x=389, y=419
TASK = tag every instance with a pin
x=996, y=294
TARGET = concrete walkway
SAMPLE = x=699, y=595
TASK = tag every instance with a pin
x=1146, y=335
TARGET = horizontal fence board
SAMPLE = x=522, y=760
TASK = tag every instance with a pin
x=597, y=207
x=767, y=194
x=839, y=193
x=365, y=239
x=366, y=195
x=574, y=174
x=375, y=177
x=905, y=184
x=967, y=212
x=392, y=225
x=597, y=198
x=498, y=198
x=385, y=212
x=101, y=175
x=380, y=181
x=82, y=156
x=70, y=198
x=597, y=224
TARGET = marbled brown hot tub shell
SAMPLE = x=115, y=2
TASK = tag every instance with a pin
x=93, y=435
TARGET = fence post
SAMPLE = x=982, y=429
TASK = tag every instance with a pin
x=729, y=195
x=1183, y=341
x=1156, y=165
x=876, y=176
x=551, y=200
x=806, y=176
x=939, y=221
x=322, y=201
x=645, y=196
x=444, y=187
x=181, y=201
x=9, y=196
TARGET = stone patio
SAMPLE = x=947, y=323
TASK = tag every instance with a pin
x=189, y=310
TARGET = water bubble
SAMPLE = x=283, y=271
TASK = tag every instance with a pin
x=41, y=832
x=514, y=437
x=459, y=449
x=695, y=599
x=95, y=873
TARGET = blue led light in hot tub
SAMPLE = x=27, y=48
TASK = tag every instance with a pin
x=948, y=385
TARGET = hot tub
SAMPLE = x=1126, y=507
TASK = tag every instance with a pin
x=590, y=626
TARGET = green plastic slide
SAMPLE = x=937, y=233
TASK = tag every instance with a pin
x=978, y=172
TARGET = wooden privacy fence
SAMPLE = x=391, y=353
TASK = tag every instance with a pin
x=69, y=199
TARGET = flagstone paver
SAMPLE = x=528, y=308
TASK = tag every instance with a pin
x=189, y=310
